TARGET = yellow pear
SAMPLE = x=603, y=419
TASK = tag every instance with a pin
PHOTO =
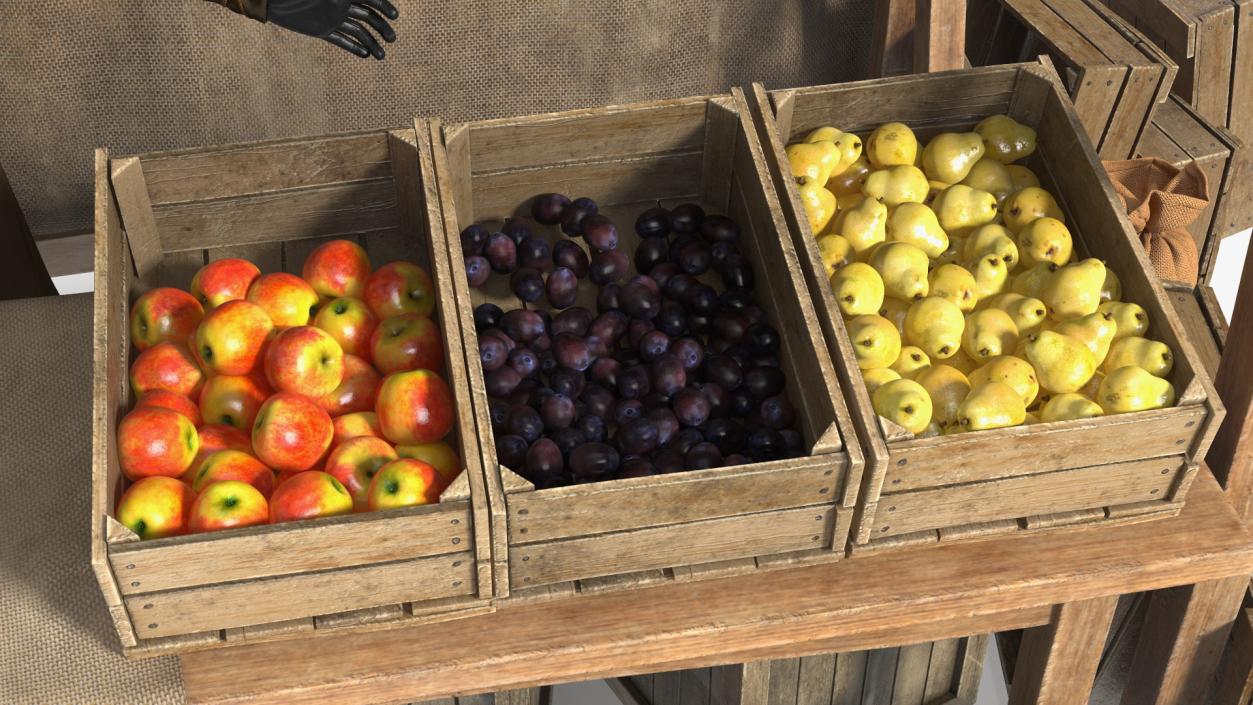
x=963, y=362
x=1066, y=407
x=904, y=402
x=863, y=225
x=835, y=252
x=1045, y=240
x=936, y=326
x=955, y=283
x=1093, y=387
x=1027, y=205
x=1014, y=371
x=1033, y=281
x=991, y=405
x=850, y=180
x=910, y=361
x=947, y=386
x=956, y=244
x=1111, y=290
x=990, y=274
x=876, y=342
x=1151, y=356
x=1028, y=313
x=892, y=144
x=1074, y=290
x=848, y=200
x=878, y=377
x=819, y=205
x=847, y=145
x=917, y=225
x=813, y=162
x=949, y=156
x=903, y=268
x=1021, y=176
x=1095, y=330
x=1130, y=388
x=895, y=310
x=896, y=185
x=1062, y=364
x=989, y=175
x=1130, y=318
x=961, y=209
x=988, y=334
x=934, y=188
x=1005, y=139
x=991, y=239
x=858, y=289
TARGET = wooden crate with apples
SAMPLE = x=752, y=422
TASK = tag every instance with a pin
x=1110, y=468
x=159, y=219
x=680, y=525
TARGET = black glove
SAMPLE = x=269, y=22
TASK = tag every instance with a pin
x=340, y=22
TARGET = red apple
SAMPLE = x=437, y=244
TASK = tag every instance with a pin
x=233, y=400
x=337, y=268
x=400, y=287
x=361, y=423
x=234, y=465
x=357, y=392
x=156, y=507
x=350, y=322
x=173, y=401
x=286, y=298
x=168, y=366
x=438, y=455
x=309, y=495
x=407, y=342
x=403, y=483
x=156, y=441
x=215, y=437
x=228, y=504
x=414, y=407
x=232, y=337
x=223, y=280
x=285, y=476
x=304, y=360
x=355, y=461
x=291, y=432
x=164, y=314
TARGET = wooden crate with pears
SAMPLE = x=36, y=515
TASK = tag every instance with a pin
x=1013, y=363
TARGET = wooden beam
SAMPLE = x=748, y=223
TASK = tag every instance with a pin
x=1234, y=683
x=939, y=35
x=892, y=39
x=1057, y=662
x=1232, y=452
x=22, y=270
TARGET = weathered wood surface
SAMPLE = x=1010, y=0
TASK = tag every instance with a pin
x=1234, y=682
x=939, y=35
x=1232, y=451
x=892, y=38
x=1057, y=662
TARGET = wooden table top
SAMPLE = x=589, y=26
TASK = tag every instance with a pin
x=900, y=597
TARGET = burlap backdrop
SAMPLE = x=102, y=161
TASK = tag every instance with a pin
x=143, y=75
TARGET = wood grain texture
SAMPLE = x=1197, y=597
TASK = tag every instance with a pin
x=850, y=678
x=815, y=679
x=1240, y=115
x=892, y=38
x=880, y=676
x=142, y=234
x=1232, y=451
x=1198, y=328
x=1057, y=662
x=939, y=35
x=941, y=670
x=1234, y=682
x=911, y=674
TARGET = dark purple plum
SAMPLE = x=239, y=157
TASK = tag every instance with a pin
x=650, y=253
x=663, y=272
x=719, y=251
x=541, y=343
x=599, y=400
x=668, y=461
x=685, y=439
x=526, y=422
x=654, y=222
x=697, y=324
x=544, y=461
x=703, y=456
x=741, y=403
x=636, y=330
x=777, y=412
x=572, y=352
x=735, y=300
x=511, y=451
x=557, y=412
x=572, y=320
x=609, y=266
x=735, y=459
x=568, y=254
x=639, y=301
x=626, y=410
x=609, y=298
x=638, y=437
x=694, y=258
x=719, y=399
x=633, y=382
x=792, y=439
x=763, y=339
x=736, y=272
x=517, y=228
x=700, y=300
x=765, y=444
x=486, y=316
x=535, y=252
x=605, y=371
x=501, y=252
x=498, y=414
x=672, y=319
x=690, y=353
x=728, y=434
x=574, y=214
x=473, y=240
x=655, y=400
x=668, y=375
x=593, y=461
x=678, y=285
x=636, y=467
x=566, y=381
x=609, y=326
x=653, y=345
x=524, y=361
x=522, y=325
x=592, y=427
x=600, y=233
x=597, y=346
x=567, y=439
x=492, y=352
x=527, y=284
x=677, y=245
x=686, y=219
x=547, y=209
x=691, y=406
x=723, y=371
x=502, y=381
x=562, y=287
x=763, y=382
x=666, y=423
x=731, y=326
x=719, y=228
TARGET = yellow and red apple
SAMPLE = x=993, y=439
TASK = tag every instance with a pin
x=414, y=407
x=173, y=401
x=286, y=298
x=438, y=455
x=350, y=322
x=156, y=441
x=156, y=507
x=233, y=400
x=400, y=287
x=337, y=268
x=355, y=461
x=308, y=495
x=358, y=390
x=228, y=504
x=163, y=314
x=304, y=360
x=168, y=366
x=234, y=465
x=231, y=338
x=223, y=280
x=403, y=483
x=291, y=432
x=354, y=425
x=407, y=342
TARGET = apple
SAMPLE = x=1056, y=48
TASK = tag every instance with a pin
x=291, y=432
x=438, y=455
x=403, y=483
x=308, y=495
x=156, y=441
x=156, y=507
x=304, y=360
x=234, y=465
x=164, y=314
x=173, y=401
x=400, y=287
x=355, y=461
x=350, y=322
x=223, y=280
x=337, y=268
x=228, y=504
x=215, y=437
x=407, y=342
x=168, y=366
x=360, y=423
x=286, y=298
x=358, y=390
x=285, y=476
x=414, y=407
x=233, y=400
x=231, y=338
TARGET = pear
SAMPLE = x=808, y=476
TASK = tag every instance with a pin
x=956, y=244
x=847, y=145
x=1027, y=205
x=955, y=283
x=917, y=225
x=1045, y=240
x=936, y=326
x=876, y=342
x=963, y=362
x=1005, y=139
x=812, y=162
x=989, y=175
x=1130, y=388
x=835, y=252
x=863, y=225
x=910, y=361
x=934, y=188
x=991, y=405
x=1149, y=355
x=1066, y=407
x=895, y=311
x=1021, y=176
x=819, y=205
x=962, y=209
x=949, y=156
x=903, y=268
x=1074, y=290
x=896, y=185
x=1130, y=318
x=1062, y=364
x=991, y=239
x=1093, y=387
x=947, y=386
x=904, y=402
x=850, y=180
x=858, y=289
x=878, y=377
x=849, y=200
x=990, y=275
x=1014, y=371
x=1033, y=281
x=1111, y=290
x=892, y=144
x=989, y=333
x=1095, y=330
x=1028, y=313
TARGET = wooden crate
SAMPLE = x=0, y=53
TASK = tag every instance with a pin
x=1203, y=321
x=934, y=673
x=1115, y=77
x=159, y=218
x=1029, y=477
x=630, y=532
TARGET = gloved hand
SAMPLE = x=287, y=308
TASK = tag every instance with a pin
x=339, y=22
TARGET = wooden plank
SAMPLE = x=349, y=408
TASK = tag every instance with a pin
x=740, y=684
x=1080, y=516
x=628, y=692
x=815, y=680
x=1057, y=662
x=911, y=674
x=1205, y=80
x=941, y=670
x=892, y=38
x=248, y=603
x=268, y=256
x=850, y=678
x=66, y=254
x=970, y=667
x=1233, y=446
x=694, y=686
x=1198, y=329
x=941, y=45
x=176, y=269
x=1240, y=116
x=142, y=233
x=784, y=679
x=23, y=273
x=880, y=676
x=1234, y=685
x=666, y=688
x=721, y=146
x=1163, y=21
x=370, y=615
x=625, y=581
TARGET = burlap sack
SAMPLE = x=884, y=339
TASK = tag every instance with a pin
x=1161, y=202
